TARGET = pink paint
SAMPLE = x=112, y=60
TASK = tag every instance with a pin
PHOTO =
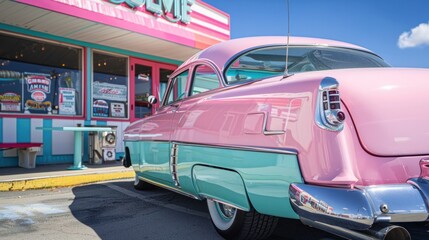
x=121, y=17
x=385, y=136
x=210, y=20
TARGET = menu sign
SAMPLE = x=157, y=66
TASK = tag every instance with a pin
x=10, y=102
x=67, y=101
x=117, y=109
x=38, y=87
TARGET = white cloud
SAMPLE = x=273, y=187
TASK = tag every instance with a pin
x=416, y=37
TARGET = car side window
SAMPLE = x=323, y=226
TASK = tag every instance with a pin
x=205, y=79
x=177, y=90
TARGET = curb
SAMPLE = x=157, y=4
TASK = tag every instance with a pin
x=62, y=181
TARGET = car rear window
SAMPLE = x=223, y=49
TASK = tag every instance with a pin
x=270, y=61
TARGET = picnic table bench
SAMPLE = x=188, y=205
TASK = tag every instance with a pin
x=27, y=152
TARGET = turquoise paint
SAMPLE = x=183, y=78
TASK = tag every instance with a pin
x=86, y=44
x=88, y=102
x=5, y=162
x=88, y=85
x=86, y=142
x=1, y=133
x=266, y=176
x=224, y=185
x=47, y=141
x=101, y=123
x=23, y=130
x=151, y=160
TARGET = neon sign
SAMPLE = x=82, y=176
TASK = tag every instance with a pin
x=172, y=10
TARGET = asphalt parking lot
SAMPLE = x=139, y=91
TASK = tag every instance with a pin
x=114, y=210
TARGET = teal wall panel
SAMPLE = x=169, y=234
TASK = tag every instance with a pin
x=23, y=130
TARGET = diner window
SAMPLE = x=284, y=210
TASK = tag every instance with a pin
x=39, y=77
x=205, y=79
x=110, y=86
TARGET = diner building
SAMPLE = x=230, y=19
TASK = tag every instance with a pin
x=91, y=63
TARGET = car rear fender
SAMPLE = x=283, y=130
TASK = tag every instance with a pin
x=220, y=185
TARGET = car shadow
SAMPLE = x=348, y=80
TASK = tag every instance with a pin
x=115, y=210
x=129, y=214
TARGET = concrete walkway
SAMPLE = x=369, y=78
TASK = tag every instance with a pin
x=57, y=175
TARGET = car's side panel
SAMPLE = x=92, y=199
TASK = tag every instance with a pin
x=266, y=175
x=221, y=185
x=150, y=159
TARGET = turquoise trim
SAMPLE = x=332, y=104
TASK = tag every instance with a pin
x=47, y=142
x=2, y=159
x=23, y=130
x=86, y=142
x=1, y=132
x=151, y=160
x=86, y=44
x=266, y=175
x=88, y=82
x=219, y=184
x=101, y=123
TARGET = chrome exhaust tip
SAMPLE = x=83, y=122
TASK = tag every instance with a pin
x=382, y=232
x=390, y=232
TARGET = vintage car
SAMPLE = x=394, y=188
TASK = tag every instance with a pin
x=340, y=140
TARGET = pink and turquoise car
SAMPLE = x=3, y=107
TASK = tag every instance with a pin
x=340, y=141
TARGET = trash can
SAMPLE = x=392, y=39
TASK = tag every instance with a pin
x=102, y=145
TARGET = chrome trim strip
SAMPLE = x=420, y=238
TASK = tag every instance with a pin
x=232, y=147
x=132, y=135
x=359, y=209
x=169, y=188
x=219, y=201
x=269, y=132
x=173, y=164
x=243, y=148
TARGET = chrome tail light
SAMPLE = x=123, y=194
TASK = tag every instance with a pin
x=329, y=114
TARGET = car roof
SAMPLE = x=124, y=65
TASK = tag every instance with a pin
x=221, y=53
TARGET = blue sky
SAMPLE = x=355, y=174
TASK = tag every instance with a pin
x=374, y=24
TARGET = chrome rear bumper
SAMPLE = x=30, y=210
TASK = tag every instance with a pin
x=361, y=208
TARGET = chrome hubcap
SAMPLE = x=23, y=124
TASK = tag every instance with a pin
x=226, y=210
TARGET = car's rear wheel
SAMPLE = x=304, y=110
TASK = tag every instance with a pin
x=141, y=185
x=233, y=223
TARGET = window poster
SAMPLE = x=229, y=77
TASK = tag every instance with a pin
x=100, y=108
x=10, y=102
x=117, y=109
x=67, y=101
x=109, y=91
x=37, y=93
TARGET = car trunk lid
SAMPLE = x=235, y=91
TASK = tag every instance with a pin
x=389, y=108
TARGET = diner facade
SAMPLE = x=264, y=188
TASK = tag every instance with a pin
x=91, y=63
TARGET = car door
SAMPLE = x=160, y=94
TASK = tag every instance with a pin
x=155, y=162
x=204, y=78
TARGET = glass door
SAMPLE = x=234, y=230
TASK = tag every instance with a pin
x=147, y=78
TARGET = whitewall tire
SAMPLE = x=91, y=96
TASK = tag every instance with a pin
x=233, y=223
